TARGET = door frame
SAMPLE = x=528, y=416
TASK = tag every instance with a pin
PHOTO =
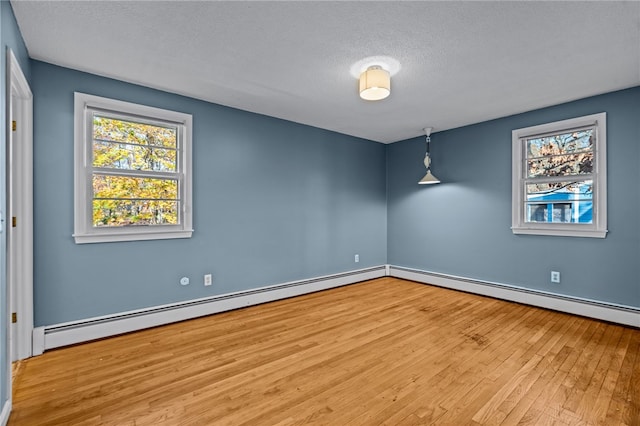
x=19, y=199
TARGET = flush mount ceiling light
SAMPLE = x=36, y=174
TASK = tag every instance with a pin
x=375, y=83
x=428, y=178
x=374, y=75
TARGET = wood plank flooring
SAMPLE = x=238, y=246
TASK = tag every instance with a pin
x=382, y=352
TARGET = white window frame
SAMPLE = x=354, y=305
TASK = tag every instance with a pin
x=84, y=231
x=598, y=227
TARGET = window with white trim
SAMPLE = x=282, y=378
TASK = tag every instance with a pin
x=132, y=171
x=559, y=178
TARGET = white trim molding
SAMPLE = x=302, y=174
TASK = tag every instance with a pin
x=69, y=333
x=57, y=335
x=37, y=338
x=20, y=250
x=620, y=314
x=85, y=106
x=5, y=413
x=598, y=176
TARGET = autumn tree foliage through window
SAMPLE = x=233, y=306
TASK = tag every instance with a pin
x=120, y=199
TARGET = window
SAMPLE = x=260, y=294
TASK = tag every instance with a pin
x=132, y=171
x=559, y=178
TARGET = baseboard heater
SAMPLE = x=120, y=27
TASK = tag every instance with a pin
x=53, y=336
x=621, y=314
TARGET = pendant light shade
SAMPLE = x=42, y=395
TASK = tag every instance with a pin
x=375, y=84
x=429, y=178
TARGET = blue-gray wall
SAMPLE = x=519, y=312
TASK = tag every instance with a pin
x=10, y=38
x=274, y=201
x=462, y=226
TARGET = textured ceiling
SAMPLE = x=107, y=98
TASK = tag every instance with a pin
x=460, y=62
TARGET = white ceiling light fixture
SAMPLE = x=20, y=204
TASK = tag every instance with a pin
x=428, y=178
x=375, y=83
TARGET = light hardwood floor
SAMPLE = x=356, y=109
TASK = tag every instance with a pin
x=385, y=351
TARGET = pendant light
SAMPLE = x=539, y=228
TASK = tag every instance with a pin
x=428, y=178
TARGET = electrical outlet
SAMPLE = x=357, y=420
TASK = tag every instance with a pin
x=356, y=258
x=184, y=281
x=208, y=279
x=555, y=277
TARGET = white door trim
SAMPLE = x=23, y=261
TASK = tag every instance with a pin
x=20, y=243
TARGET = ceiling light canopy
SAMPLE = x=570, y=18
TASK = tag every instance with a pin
x=375, y=83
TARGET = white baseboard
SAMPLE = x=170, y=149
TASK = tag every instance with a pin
x=54, y=336
x=57, y=335
x=5, y=413
x=37, y=341
x=626, y=315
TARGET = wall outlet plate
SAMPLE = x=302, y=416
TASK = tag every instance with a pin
x=555, y=277
x=184, y=281
x=208, y=279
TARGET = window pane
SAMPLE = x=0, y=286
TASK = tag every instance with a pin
x=564, y=154
x=125, y=187
x=561, y=212
x=114, y=213
x=561, y=165
x=560, y=191
x=560, y=202
x=563, y=143
x=574, y=212
x=536, y=213
x=131, y=132
x=127, y=200
x=133, y=157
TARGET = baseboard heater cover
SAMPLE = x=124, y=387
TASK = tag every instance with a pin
x=620, y=314
x=58, y=335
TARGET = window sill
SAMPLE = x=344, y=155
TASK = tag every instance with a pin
x=564, y=232
x=130, y=236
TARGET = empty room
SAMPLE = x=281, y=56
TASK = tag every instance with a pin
x=320, y=212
